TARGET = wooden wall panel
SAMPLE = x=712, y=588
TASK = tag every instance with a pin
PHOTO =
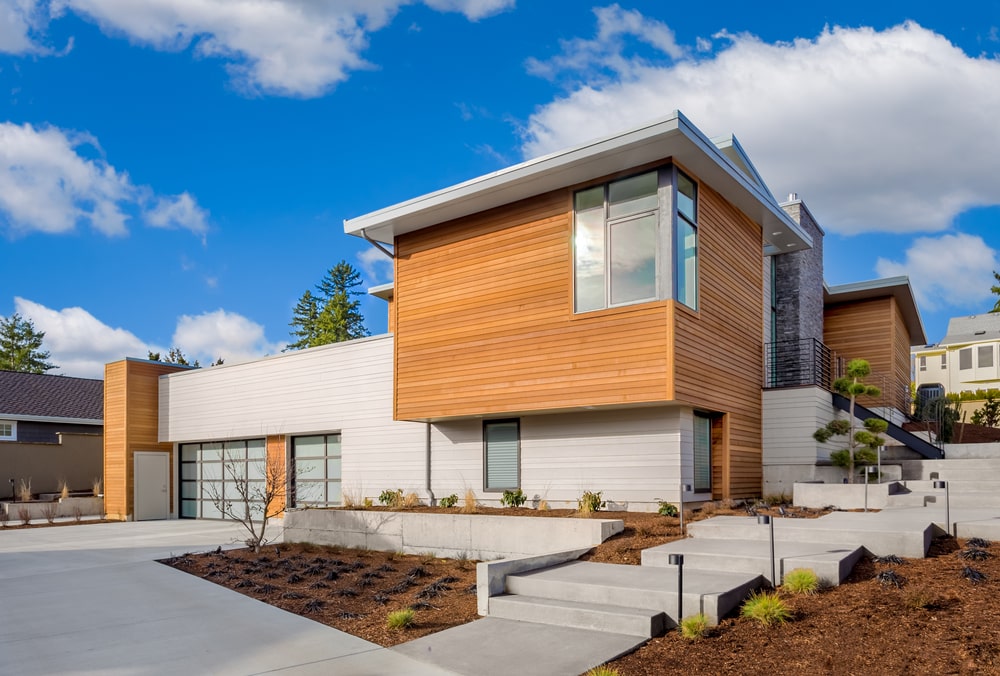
x=718, y=351
x=276, y=468
x=873, y=330
x=485, y=325
x=131, y=401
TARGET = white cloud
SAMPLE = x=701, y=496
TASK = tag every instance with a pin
x=80, y=344
x=19, y=19
x=606, y=50
x=953, y=271
x=283, y=47
x=376, y=265
x=232, y=336
x=890, y=130
x=46, y=185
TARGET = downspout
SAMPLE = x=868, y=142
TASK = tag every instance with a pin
x=427, y=449
x=377, y=245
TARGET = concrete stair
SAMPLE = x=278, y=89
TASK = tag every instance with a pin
x=635, y=600
x=830, y=561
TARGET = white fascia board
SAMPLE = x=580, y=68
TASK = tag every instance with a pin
x=383, y=291
x=18, y=417
x=671, y=137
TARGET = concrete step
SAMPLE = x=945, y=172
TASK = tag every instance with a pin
x=907, y=537
x=978, y=485
x=830, y=561
x=957, y=469
x=936, y=499
x=714, y=593
x=595, y=616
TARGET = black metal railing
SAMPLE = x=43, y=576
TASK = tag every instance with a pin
x=793, y=363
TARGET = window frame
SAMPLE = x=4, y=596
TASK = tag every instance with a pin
x=487, y=488
x=12, y=436
x=922, y=362
x=294, y=479
x=991, y=356
x=708, y=421
x=965, y=357
x=679, y=250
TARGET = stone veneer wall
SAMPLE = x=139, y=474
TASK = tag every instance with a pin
x=799, y=282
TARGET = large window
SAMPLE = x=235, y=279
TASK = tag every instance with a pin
x=501, y=450
x=702, y=454
x=316, y=474
x=965, y=359
x=622, y=238
x=220, y=476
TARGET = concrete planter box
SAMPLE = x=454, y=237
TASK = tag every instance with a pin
x=844, y=496
x=476, y=536
x=65, y=508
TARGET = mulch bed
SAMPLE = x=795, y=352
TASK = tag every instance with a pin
x=936, y=622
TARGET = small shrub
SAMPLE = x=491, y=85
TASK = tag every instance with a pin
x=974, y=576
x=801, y=581
x=694, y=627
x=469, y=503
x=767, y=608
x=603, y=670
x=449, y=501
x=50, y=511
x=890, y=578
x=77, y=513
x=63, y=489
x=96, y=487
x=709, y=508
x=667, y=508
x=367, y=503
x=888, y=560
x=543, y=505
x=921, y=601
x=351, y=498
x=775, y=499
x=977, y=542
x=409, y=501
x=24, y=514
x=973, y=554
x=514, y=498
x=590, y=502
x=24, y=490
x=400, y=619
x=391, y=498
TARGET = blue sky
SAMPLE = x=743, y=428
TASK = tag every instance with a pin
x=177, y=173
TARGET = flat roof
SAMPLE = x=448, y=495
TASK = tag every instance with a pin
x=898, y=287
x=671, y=137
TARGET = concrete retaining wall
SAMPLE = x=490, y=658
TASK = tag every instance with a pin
x=65, y=508
x=844, y=496
x=476, y=536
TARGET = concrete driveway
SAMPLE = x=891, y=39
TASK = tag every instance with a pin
x=90, y=599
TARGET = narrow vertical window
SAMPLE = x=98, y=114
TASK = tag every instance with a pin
x=923, y=362
x=702, y=453
x=588, y=244
x=944, y=360
x=501, y=444
x=687, y=241
x=985, y=356
x=965, y=359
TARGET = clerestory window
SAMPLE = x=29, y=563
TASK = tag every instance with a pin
x=624, y=232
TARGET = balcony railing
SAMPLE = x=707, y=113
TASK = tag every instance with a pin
x=793, y=363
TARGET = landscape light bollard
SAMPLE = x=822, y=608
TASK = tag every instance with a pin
x=678, y=560
x=765, y=520
x=879, y=451
x=684, y=489
x=868, y=473
x=947, y=504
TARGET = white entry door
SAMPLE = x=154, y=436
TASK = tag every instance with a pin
x=152, y=491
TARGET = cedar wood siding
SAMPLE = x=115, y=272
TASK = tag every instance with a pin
x=718, y=350
x=485, y=324
x=873, y=330
x=275, y=467
x=131, y=399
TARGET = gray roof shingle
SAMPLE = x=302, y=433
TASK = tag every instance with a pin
x=32, y=394
x=972, y=329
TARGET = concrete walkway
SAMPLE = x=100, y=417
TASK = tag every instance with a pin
x=90, y=599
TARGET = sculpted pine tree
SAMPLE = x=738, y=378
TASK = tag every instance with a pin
x=21, y=346
x=862, y=443
x=334, y=314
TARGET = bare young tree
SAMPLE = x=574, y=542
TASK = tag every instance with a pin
x=251, y=493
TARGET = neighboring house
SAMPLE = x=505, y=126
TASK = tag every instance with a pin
x=51, y=430
x=596, y=319
x=967, y=359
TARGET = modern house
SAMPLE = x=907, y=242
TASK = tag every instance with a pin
x=51, y=430
x=615, y=317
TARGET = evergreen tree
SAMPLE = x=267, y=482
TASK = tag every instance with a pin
x=861, y=443
x=21, y=346
x=177, y=356
x=304, y=318
x=334, y=314
x=995, y=290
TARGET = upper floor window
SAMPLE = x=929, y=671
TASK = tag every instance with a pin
x=8, y=430
x=944, y=360
x=985, y=356
x=923, y=362
x=622, y=237
x=965, y=359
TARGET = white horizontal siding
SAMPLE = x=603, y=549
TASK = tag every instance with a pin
x=344, y=387
x=630, y=455
x=791, y=416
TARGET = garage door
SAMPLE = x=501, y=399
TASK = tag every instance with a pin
x=215, y=477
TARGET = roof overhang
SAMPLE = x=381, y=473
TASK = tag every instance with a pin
x=383, y=291
x=897, y=287
x=671, y=137
x=19, y=417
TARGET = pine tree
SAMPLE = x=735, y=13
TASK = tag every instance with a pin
x=334, y=314
x=304, y=318
x=995, y=290
x=21, y=346
x=861, y=443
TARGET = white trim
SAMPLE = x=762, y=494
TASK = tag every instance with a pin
x=671, y=137
x=51, y=419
